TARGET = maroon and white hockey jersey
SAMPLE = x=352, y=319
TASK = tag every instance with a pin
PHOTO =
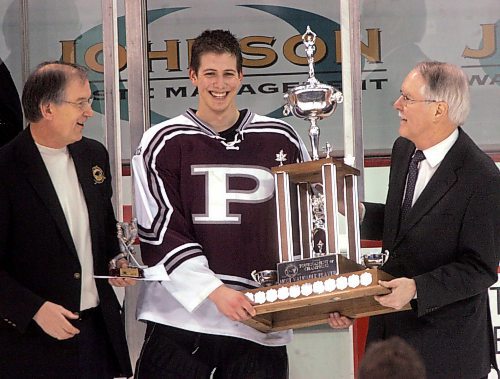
x=206, y=212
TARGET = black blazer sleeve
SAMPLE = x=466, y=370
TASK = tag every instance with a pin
x=18, y=304
x=372, y=224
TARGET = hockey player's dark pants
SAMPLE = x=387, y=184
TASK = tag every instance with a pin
x=171, y=353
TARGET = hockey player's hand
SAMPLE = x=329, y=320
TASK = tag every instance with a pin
x=337, y=321
x=231, y=303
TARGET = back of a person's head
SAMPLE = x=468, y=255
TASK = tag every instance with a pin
x=218, y=42
x=391, y=359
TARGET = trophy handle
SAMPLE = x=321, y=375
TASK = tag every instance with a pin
x=385, y=256
x=337, y=97
x=253, y=274
x=287, y=109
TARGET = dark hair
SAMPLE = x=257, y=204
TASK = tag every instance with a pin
x=47, y=83
x=392, y=358
x=215, y=41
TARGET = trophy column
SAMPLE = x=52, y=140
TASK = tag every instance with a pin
x=303, y=214
x=351, y=202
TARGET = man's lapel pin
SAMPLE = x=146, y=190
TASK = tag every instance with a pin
x=98, y=174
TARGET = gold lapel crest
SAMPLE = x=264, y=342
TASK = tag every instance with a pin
x=98, y=174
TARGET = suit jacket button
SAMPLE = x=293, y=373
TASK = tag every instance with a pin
x=76, y=275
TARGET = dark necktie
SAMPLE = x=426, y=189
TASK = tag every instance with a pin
x=411, y=181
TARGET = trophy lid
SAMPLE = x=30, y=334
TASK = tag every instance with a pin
x=312, y=100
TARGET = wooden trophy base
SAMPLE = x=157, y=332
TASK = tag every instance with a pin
x=309, y=302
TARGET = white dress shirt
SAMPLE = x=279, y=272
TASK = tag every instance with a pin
x=62, y=173
x=433, y=157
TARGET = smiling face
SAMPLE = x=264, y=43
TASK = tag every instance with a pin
x=218, y=81
x=64, y=121
x=417, y=119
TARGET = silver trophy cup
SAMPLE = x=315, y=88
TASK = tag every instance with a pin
x=375, y=260
x=312, y=100
x=265, y=278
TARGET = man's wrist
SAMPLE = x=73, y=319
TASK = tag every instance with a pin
x=362, y=211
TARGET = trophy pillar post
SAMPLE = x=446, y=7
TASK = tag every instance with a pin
x=283, y=209
x=329, y=175
x=352, y=214
x=305, y=222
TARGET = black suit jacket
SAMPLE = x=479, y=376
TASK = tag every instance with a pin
x=450, y=244
x=11, y=114
x=39, y=262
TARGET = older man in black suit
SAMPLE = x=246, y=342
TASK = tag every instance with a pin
x=441, y=227
x=57, y=230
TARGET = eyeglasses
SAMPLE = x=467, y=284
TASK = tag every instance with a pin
x=406, y=100
x=81, y=104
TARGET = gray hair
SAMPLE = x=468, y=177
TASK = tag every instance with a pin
x=447, y=82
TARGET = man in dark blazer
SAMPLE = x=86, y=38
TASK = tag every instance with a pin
x=444, y=251
x=58, y=230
